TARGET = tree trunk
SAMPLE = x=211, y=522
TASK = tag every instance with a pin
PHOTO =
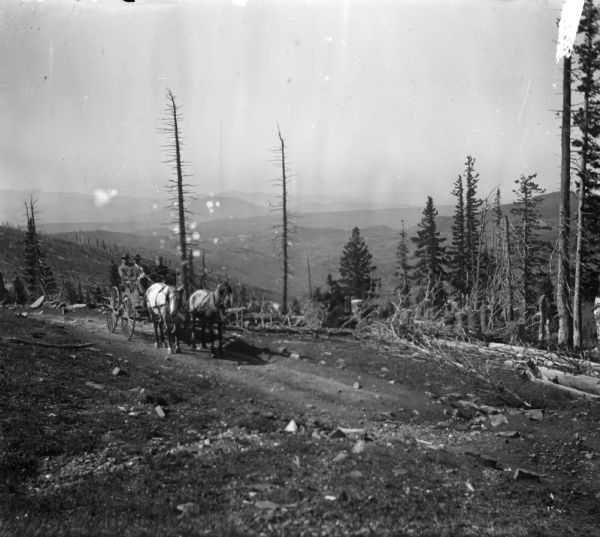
x=565, y=334
x=509, y=311
x=284, y=240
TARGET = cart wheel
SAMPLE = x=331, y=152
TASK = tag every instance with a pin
x=111, y=320
x=129, y=317
x=114, y=298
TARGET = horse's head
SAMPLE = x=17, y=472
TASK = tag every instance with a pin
x=175, y=302
x=225, y=295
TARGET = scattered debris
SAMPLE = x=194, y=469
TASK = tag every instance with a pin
x=266, y=504
x=291, y=427
x=359, y=447
x=189, y=508
x=534, y=414
x=341, y=456
x=498, y=419
x=38, y=303
x=509, y=434
x=295, y=355
x=520, y=473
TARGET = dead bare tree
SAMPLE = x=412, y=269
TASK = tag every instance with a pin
x=286, y=225
x=177, y=189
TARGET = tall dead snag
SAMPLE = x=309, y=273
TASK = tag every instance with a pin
x=587, y=120
x=176, y=187
x=565, y=334
x=286, y=223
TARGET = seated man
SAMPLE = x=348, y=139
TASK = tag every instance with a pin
x=160, y=272
x=140, y=274
x=128, y=274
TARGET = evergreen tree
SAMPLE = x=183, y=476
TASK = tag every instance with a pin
x=430, y=269
x=38, y=275
x=531, y=250
x=586, y=120
x=356, y=266
x=497, y=210
x=472, y=216
x=457, y=259
x=402, y=266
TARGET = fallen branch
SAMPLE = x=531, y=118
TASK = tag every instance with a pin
x=42, y=344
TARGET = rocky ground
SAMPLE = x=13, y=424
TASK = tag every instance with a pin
x=292, y=435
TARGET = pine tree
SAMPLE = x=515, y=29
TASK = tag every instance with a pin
x=457, y=259
x=402, y=266
x=430, y=269
x=38, y=275
x=587, y=120
x=531, y=250
x=472, y=218
x=356, y=266
x=497, y=210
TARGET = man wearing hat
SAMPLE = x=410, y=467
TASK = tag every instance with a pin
x=127, y=273
x=141, y=272
x=160, y=272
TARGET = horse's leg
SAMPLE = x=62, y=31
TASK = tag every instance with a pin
x=220, y=333
x=193, y=336
x=176, y=337
x=212, y=336
x=155, y=326
x=203, y=323
x=161, y=328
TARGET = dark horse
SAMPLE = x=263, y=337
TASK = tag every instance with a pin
x=208, y=308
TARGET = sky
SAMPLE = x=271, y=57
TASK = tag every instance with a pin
x=378, y=100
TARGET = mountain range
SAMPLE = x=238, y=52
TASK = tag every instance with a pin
x=237, y=232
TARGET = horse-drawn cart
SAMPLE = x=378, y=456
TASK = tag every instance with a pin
x=124, y=307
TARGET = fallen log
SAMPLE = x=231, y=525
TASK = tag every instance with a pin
x=583, y=383
x=533, y=374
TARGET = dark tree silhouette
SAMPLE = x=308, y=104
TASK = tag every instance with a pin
x=586, y=120
x=430, y=268
x=402, y=265
x=531, y=250
x=356, y=267
x=38, y=275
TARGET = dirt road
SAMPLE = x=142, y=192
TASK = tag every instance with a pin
x=116, y=437
x=318, y=381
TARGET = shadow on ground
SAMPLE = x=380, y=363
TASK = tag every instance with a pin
x=244, y=353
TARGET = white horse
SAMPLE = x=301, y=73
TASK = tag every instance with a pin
x=208, y=307
x=164, y=302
